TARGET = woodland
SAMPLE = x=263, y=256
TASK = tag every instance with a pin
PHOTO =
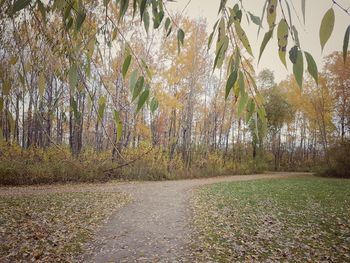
x=97, y=97
x=93, y=90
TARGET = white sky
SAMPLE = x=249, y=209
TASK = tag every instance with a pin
x=308, y=34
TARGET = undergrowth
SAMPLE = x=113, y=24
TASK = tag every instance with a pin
x=20, y=166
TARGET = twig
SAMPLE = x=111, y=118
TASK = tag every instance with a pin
x=347, y=11
x=128, y=163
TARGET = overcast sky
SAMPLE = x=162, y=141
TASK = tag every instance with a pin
x=308, y=34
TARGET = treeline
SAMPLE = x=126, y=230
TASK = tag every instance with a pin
x=72, y=106
x=309, y=126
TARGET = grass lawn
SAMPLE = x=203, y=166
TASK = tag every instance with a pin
x=51, y=227
x=295, y=220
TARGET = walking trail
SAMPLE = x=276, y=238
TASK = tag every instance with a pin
x=155, y=226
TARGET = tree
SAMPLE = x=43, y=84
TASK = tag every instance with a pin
x=228, y=29
x=279, y=112
x=338, y=80
x=92, y=74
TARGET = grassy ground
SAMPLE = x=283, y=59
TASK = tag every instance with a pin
x=294, y=220
x=51, y=227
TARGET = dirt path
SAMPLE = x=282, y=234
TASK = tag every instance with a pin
x=153, y=228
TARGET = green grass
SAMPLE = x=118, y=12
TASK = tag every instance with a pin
x=294, y=220
x=52, y=227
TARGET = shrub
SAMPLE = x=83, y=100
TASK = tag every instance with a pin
x=339, y=161
x=52, y=165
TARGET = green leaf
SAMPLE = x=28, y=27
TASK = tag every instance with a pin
x=236, y=15
x=222, y=5
x=311, y=66
x=142, y=99
x=262, y=15
x=346, y=43
x=243, y=37
x=41, y=83
x=69, y=24
x=230, y=83
x=138, y=87
x=262, y=116
x=210, y=40
x=126, y=65
x=73, y=76
x=118, y=124
x=289, y=13
x=253, y=82
x=212, y=34
x=169, y=31
x=250, y=109
x=180, y=38
x=243, y=99
x=148, y=71
x=167, y=24
x=230, y=65
x=146, y=20
x=101, y=107
x=67, y=11
x=80, y=19
x=157, y=19
x=142, y=8
x=255, y=19
x=293, y=53
x=154, y=105
x=220, y=55
x=42, y=9
x=271, y=13
x=59, y=5
x=327, y=26
x=282, y=35
x=133, y=80
x=123, y=7
x=134, y=8
x=217, y=58
x=296, y=36
x=298, y=69
x=266, y=39
x=241, y=83
x=237, y=58
x=221, y=33
x=303, y=7
x=19, y=5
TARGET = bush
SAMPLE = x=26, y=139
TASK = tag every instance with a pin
x=53, y=165
x=158, y=166
x=38, y=166
x=339, y=161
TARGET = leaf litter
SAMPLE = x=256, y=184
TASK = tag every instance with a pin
x=52, y=227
